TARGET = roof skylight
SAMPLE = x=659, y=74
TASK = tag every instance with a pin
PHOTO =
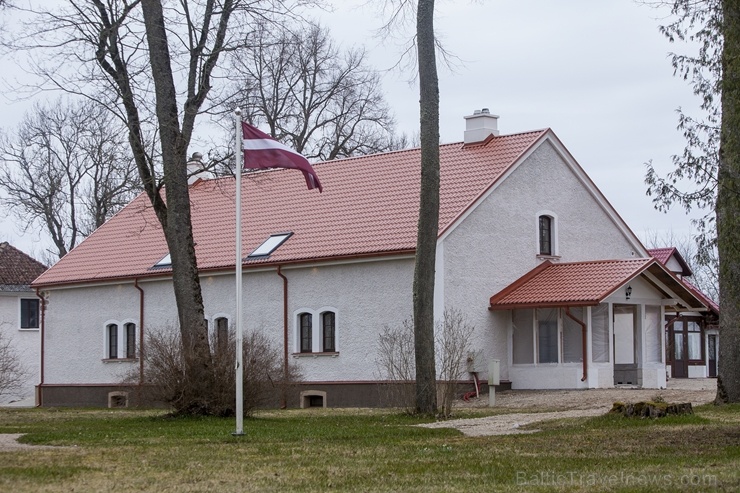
x=270, y=245
x=165, y=262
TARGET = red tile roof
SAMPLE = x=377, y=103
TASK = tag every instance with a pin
x=369, y=207
x=663, y=255
x=582, y=284
x=699, y=294
x=17, y=270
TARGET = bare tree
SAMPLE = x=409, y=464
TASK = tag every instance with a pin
x=426, y=241
x=426, y=46
x=153, y=64
x=66, y=170
x=711, y=160
x=320, y=101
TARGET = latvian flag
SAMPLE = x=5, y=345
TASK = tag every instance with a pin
x=262, y=151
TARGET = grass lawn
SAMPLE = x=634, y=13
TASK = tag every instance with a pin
x=364, y=450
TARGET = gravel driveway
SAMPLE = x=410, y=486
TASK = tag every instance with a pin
x=570, y=404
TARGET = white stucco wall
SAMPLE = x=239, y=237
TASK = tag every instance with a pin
x=497, y=243
x=25, y=343
x=366, y=297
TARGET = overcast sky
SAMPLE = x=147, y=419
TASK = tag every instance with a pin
x=595, y=71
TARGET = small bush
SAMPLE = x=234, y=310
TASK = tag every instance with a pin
x=452, y=346
x=265, y=378
x=396, y=360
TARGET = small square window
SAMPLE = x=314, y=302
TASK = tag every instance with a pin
x=270, y=245
x=29, y=313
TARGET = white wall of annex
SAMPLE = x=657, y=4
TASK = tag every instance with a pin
x=497, y=242
x=24, y=342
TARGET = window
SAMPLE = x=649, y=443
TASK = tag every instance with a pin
x=653, y=336
x=600, y=333
x=120, y=340
x=545, y=229
x=573, y=336
x=130, y=340
x=112, y=331
x=319, y=339
x=547, y=335
x=29, y=313
x=694, y=339
x=523, y=342
x=306, y=322
x=222, y=333
x=328, y=332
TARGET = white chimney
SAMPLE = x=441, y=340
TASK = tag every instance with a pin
x=195, y=168
x=479, y=126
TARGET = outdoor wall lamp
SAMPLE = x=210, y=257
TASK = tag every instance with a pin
x=628, y=292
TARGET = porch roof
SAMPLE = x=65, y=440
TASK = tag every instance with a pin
x=590, y=283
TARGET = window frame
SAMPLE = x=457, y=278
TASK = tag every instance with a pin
x=221, y=326
x=111, y=334
x=332, y=337
x=551, y=219
x=305, y=332
x=129, y=330
x=121, y=344
x=26, y=318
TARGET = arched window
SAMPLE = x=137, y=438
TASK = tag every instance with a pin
x=546, y=227
x=306, y=336
x=328, y=332
x=112, y=334
x=130, y=340
x=222, y=333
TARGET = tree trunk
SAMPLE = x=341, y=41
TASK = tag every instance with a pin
x=178, y=226
x=728, y=208
x=426, y=242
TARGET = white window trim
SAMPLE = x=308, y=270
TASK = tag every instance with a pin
x=121, y=338
x=317, y=331
x=554, y=244
x=323, y=310
x=20, y=314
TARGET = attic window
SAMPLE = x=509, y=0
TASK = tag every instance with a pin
x=270, y=245
x=165, y=262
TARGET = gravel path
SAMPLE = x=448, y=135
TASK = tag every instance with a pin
x=557, y=404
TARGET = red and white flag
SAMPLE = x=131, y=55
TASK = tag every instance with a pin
x=262, y=151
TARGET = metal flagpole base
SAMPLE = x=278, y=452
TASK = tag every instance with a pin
x=238, y=434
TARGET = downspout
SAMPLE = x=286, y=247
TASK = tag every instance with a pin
x=141, y=331
x=284, y=403
x=584, y=342
x=43, y=324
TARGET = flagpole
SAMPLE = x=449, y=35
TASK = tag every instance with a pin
x=238, y=154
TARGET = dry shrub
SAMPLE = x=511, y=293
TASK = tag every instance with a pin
x=12, y=370
x=452, y=344
x=397, y=365
x=166, y=380
x=396, y=361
